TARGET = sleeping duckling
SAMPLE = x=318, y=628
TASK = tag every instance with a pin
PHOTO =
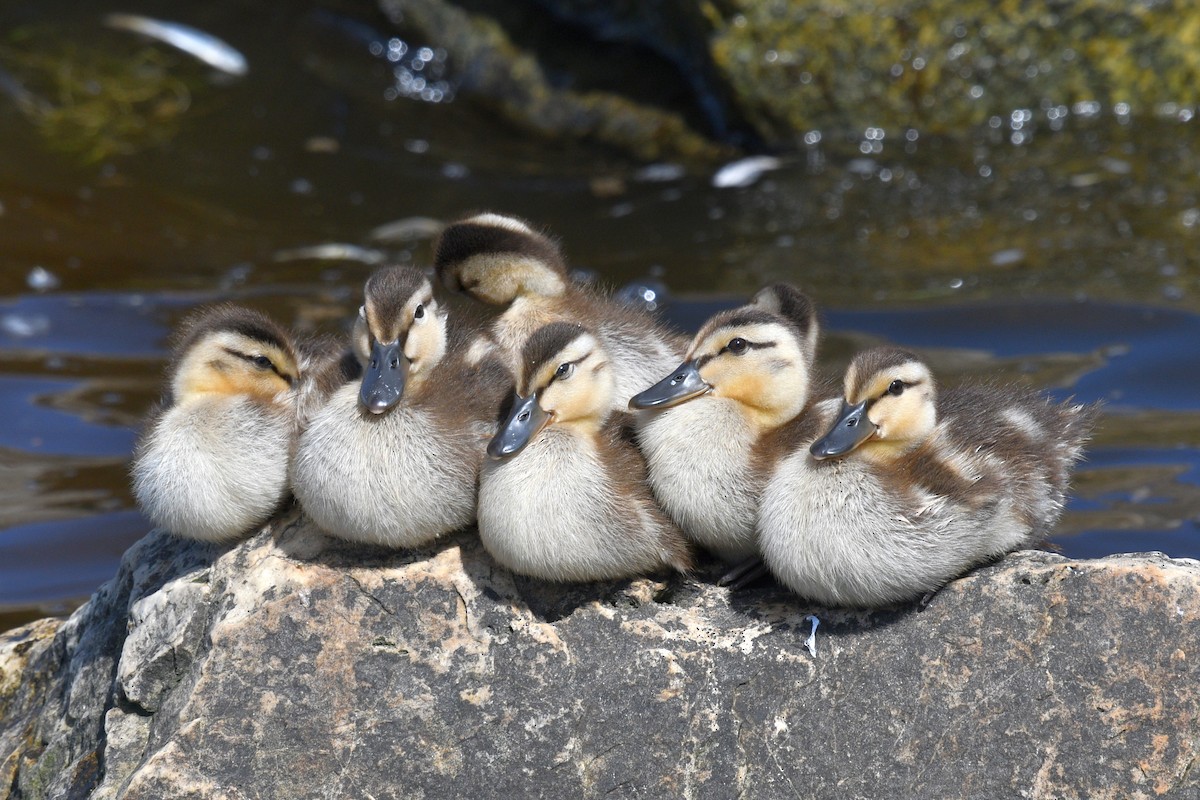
x=502, y=261
x=563, y=497
x=394, y=460
x=212, y=463
x=748, y=371
x=909, y=490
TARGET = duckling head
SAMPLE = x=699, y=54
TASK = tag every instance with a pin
x=498, y=259
x=230, y=350
x=400, y=336
x=565, y=379
x=888, y=408
x=760, y=355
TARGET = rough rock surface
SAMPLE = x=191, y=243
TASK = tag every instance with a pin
x=511, y=82
x=294, y=666
x=772, y=72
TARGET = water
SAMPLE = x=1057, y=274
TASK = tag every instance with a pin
x=1068, y=259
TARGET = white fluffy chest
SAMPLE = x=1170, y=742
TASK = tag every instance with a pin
x=215, y=468
x=834, y=533
x=698, y=458
x=549, y=511
x=398, y=479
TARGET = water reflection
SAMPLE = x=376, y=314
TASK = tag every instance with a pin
x=1068, y=259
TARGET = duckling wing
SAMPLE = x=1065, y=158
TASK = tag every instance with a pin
x=1025, y=443
x=618, y=438
x=473, y=382
x=626, y=469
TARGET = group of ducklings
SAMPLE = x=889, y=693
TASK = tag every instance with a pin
x=566, y=432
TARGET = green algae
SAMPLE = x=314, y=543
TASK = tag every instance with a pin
x=94, y=104
x=784, y=68
x=947, y=65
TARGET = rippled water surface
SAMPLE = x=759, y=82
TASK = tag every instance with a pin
x=1068, y=259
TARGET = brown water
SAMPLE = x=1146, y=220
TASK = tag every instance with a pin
x=1067, y=257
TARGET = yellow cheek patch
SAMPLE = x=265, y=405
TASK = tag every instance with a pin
x=908, y=421
x=747, y=388
x=236, y=381
x=265, y=386
x=211, y=381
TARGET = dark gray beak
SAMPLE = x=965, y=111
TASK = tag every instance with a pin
x=851, y=429
x=384, y=378
x=524, y=422
x=680, y=386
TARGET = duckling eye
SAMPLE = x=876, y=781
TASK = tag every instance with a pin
x=737, y=345
x=262, y=362
x=564, y=370
x=896, y=387
x=420, y=312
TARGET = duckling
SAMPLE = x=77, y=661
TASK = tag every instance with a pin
x=394, y=460
x=213, y=460
x=908, y=489
x=708, y=442
x=563, y=497
x=503, y=261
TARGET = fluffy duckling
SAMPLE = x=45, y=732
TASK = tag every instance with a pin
x=909, y=489
x=394, y=460
x=503, y=261
x=747, y=373
x=213, y=460
x=563, y=497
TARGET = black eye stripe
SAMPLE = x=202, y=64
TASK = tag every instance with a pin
x=253, y=360
x=702, y=360
x=903, y=386
x=749, y=345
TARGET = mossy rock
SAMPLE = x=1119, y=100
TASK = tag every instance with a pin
x=767, y=72
x=946, y=65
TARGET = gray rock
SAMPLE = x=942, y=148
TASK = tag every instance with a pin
x=294, y=666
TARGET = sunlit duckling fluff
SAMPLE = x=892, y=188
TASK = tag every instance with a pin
x=503, y=261
x=394, y=460
x=563, y=497
x=711, y=433
x=909, y=489
x=212, y=463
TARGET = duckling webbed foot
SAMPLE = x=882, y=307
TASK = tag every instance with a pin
x=743, y=574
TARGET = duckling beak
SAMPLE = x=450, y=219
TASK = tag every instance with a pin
x=384, y=378
x=852, y=428
x=680, y=386
x=524, y=422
